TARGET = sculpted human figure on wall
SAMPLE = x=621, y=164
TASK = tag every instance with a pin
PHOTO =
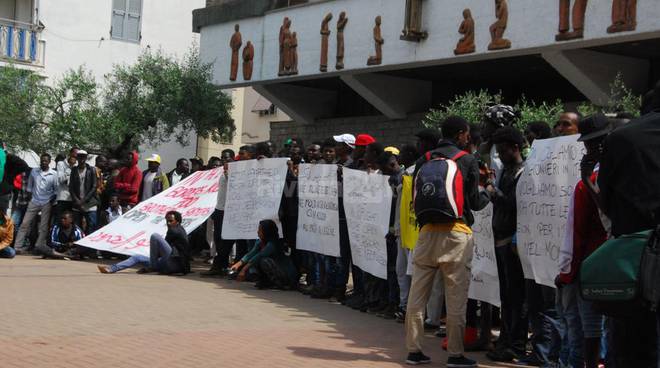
x=341, y=25
x=379, y=41
x=498, y=28
x=624, y=16
x=466, y=43
x=577, y=18
x=412, y=28
x=288, y=50
x=235, y=43
x=325, y=36
x=248, y=60
x=282, y=39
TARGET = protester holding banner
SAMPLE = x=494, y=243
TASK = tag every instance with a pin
x=267, y=263
x=513, y=335
x=169, y=255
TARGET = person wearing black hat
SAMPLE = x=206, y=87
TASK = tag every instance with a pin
x=628, y=181
x=589, y=233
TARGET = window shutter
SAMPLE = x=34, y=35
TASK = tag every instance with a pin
x=133, y=20
x=118, y=16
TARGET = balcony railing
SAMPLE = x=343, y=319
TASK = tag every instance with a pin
x=20, y=42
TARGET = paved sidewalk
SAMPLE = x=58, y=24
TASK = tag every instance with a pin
x=66, y=314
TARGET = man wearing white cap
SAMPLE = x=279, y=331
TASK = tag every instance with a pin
x=344, y=148
x=82, y=187
x=154, y=180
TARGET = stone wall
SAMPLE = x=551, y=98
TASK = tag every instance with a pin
x=388, y=132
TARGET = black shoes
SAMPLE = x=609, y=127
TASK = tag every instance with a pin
x=214, y=272
x=461, y=362
x=417, y=358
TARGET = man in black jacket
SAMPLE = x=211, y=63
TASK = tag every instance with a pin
x=82, y=187
x=169, y=255
x=513, y=337
x=628, y=181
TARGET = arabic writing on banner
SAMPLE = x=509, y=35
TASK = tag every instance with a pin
x=543, y=199
x=367, y=202
x=485, y=284
x=254, y=193
x=194, y=197
x=318, y=209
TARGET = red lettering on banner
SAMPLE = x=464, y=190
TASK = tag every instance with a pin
x=186, y=202
x=144, y=242
x=119, y=244
x=197, y=212
x=213, y=188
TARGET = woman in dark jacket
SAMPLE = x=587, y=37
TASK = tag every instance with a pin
x=267, y=261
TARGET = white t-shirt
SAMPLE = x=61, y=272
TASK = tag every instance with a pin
x=222, y=193
x=148, y=186
x=175, y=178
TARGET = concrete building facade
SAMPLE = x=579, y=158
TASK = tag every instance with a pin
x=51, y=37
x=415, y=76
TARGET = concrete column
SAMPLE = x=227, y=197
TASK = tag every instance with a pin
x=592, y=72
x=395, y=97
x=302, y=104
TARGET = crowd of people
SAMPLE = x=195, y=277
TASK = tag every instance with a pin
x=538, y=325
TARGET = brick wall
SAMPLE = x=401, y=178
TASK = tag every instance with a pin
x=388, y=132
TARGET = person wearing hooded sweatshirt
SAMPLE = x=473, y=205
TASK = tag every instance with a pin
x=127, y=183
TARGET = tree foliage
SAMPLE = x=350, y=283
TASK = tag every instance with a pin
x=153, y=100
x=622, y=99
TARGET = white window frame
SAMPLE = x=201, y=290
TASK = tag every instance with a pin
x=126, y=14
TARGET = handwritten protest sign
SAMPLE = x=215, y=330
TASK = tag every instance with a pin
x=194, y=197
x=254, y=193
x=485, y=288
x=367, y=202
x=483, y=259
x=543, y=197
x=485, y=284
x=318, y=209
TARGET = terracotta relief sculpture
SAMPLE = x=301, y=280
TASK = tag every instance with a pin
x=466, y=43
x=282, y=38
x=293, y=52
x=379, y=41
x=325, y=35
x=341, y=25
x=497, y=29
x=288, y=50
x=624, y=16
x=235, y=44
x=248, y=57
x=579, y=9
x=412, y=28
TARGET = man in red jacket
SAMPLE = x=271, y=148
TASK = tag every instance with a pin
x=127, y=183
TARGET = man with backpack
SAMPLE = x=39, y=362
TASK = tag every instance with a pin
x=445, y=191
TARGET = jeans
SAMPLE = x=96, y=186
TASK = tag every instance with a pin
x=512, y=293
x=17, y=215
x=449, y=253
x=546, y=341
x=159, y=258
x=30, y=214
x=571, y=326
x=91, y=219
x=222, y=246
x=7, y=252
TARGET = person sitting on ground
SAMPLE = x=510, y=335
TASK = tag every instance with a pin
x=62, y=240
x=267, y=262
x=169, y=255
x=6, y=236
x=113, y=212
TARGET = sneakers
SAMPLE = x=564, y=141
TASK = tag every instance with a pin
x=417, y=358
x=400, y=315
x=461, y=362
